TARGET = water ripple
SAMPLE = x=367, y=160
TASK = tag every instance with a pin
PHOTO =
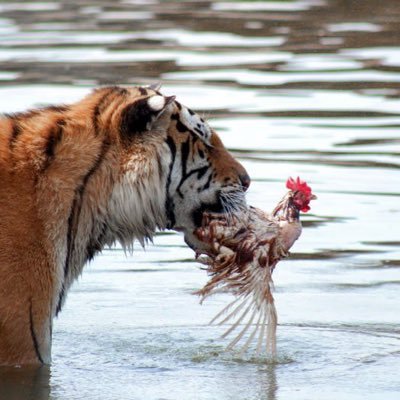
x=306, y=88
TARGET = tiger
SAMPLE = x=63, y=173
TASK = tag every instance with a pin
x=116, y=166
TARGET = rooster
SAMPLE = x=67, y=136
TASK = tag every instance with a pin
x=242, y=251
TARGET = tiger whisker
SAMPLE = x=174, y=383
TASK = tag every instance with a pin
x=234, y=205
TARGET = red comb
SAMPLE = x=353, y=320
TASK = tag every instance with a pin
x=297, y=185
x=304, y=194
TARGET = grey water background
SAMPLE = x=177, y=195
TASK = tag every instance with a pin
x=303, y=87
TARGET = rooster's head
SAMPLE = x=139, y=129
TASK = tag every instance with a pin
x=301, y=194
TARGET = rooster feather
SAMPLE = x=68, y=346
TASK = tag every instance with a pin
x=241, y=253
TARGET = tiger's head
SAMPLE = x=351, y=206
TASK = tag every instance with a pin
x=203, y=175
x=173, y=169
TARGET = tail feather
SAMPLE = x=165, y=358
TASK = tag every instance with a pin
x=243, y=331
x=254, y=304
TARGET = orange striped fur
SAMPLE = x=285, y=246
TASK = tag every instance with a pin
x=115, y=166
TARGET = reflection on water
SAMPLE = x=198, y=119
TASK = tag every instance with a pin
x=301, y=87
x=24, y=383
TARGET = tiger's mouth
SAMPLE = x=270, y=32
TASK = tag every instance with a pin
x=227, y=203
x=197, y=215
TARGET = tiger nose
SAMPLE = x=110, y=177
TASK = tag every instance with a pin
x=245, y=180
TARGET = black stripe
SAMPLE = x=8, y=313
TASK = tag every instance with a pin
x=59, y=109
x=73, y=219
x=159, y=166
x=207, y=185
x=172, y=147
x=33, y=335
x=91, y=249
x=81, y=189
x=16, y=131
x=60, y=298
x=95, y=244
x=122, y=91
x=104, y=148
x=169, y=203
x=142, y=91
x=24, y=114
x=201, y=171
x=103, y=104
x=72, y=223
x=181, y=127
x=17, y=118
x=185, y=148
x=54, y=138
x=195, y=137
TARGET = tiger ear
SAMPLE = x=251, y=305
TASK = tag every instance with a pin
x=141, y=115
x=155, y=86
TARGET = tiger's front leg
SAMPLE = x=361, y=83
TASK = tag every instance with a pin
x=25, y=324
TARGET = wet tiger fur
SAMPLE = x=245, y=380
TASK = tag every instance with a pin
x=115, y=166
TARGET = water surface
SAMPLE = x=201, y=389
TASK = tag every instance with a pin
x=305, y=87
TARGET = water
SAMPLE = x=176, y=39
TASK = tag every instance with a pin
x=305, y=87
